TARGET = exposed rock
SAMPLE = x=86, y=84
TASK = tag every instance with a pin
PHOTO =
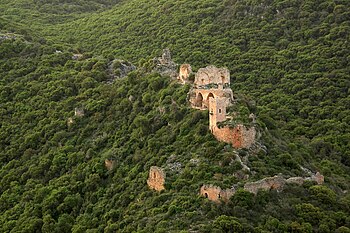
x=70, y=121
x=244, y=167
x=176, y=166
x=215, y=193
x=7, y=36
x=79, y=112
x=156, y=178
x=109, y=164
x=165, y=65
x=77, y=56
x=119, y=69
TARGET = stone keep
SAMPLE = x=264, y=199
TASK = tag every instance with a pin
x=211, y=90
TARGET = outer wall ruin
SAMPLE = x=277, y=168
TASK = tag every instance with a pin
x=215, y=193
x=156, y=178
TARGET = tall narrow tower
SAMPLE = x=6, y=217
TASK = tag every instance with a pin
x=217, y=111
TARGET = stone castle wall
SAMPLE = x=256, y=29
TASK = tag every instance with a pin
x=184, y=73
x=211, y=90
x=239, y=136
x=156, y=178
x=215, y=193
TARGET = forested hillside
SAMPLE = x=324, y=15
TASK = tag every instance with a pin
x=289, y=64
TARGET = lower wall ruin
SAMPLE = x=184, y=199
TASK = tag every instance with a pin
x=215, y=193
x=239, y=136
x=266, y=184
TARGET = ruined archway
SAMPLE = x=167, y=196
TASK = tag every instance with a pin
x=210, y=95
x=199, y=100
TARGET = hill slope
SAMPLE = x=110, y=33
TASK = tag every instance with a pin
x=291, y=58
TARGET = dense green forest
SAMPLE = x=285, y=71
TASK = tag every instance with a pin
x=289, y=64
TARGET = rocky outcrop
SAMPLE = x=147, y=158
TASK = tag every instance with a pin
x=109, y=164
x=79, y=112
x=215, y=193
x=8, y=36
x=77, y=56
x=119, y=69
x=156, y=178
x=165, y=65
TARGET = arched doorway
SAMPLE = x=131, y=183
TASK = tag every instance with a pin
x=199, y=100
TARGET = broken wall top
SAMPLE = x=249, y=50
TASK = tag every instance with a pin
x=212, y=75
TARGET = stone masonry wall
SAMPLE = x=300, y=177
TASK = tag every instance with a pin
x=215, y=193
x=239, y=136
x=184, y=73
x=269, y=183
x=156, y=178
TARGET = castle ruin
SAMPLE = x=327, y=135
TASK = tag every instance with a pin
x=211, y=90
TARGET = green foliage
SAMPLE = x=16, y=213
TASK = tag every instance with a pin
x=288, y=60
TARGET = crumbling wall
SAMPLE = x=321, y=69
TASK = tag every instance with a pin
x=239, y=136
x=212, y=75
x=318, y=178
x=206, y=94
x=215, y=193
x=156, y=178
x=269, y=183
x=184, y=73
x=278, y=182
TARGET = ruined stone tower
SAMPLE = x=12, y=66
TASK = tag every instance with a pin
x=217, y=111
x=211, y=90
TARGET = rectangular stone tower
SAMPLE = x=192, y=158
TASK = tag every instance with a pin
x=217, y=111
